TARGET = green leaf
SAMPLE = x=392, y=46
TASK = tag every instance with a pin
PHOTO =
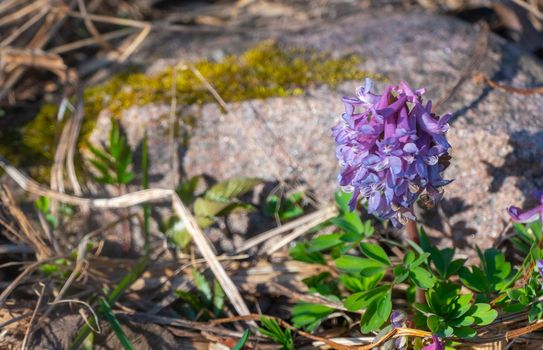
x=177, y=232
x=348, y=226
x=241, y=343
x=190, y=298
x=232, y=188
x=419, y=261
x=474, y=279
x=300, y=252
x=377, y=313
x=362, y=300
x=352, y=283
x=115, y=325
x=374, y=252
x=483, y=314
x=422, y=277
x=187, y=189
x=203, y=286
x=465, y=332
x=362, y=266
x=218, y=298
x=42, y=203
x=425, y=243
x=309, y=315
x=433, y=323
x=454, y=267
x=271, y=329
x=400, y=274
x=208, y=207
x=325, y=242
x=535, y=313
x=342, y=200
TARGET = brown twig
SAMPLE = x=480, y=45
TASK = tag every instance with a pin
x=481, y=78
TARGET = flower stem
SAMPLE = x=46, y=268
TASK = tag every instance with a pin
x=412, y=232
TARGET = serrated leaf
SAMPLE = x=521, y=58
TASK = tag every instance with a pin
x=374, y=252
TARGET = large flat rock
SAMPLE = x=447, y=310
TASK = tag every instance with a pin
x=497, y=137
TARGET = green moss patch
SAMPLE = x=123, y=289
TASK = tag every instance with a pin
x=265, y=70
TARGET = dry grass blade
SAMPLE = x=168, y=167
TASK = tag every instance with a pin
x=23, y=12
x=30, y=327
x=136, y=198
x=326, y=215
x=71, y=145
x=13, y=58
x=530, y=7
x=134, y=44
x=20, y=30
x=52, y=23
x=6, y=5
x=263, y=237
x=27, y=233
x=91, y=41
x=90, y=26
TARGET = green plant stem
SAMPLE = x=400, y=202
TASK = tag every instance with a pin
x=412, y=234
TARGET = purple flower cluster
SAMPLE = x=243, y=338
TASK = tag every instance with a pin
x=389, y=148
x=527, y=216
x=435, y=345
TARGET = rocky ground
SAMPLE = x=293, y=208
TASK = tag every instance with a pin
x=496, y=135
